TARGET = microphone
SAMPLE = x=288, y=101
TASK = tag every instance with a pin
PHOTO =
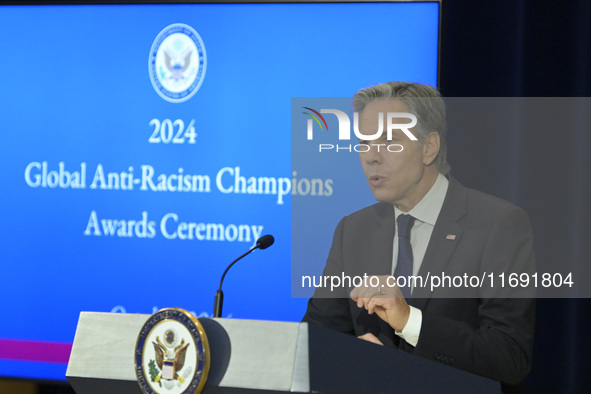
x=262, y=243
x=265, y=241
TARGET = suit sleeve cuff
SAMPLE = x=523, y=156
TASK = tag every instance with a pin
x=410, y=333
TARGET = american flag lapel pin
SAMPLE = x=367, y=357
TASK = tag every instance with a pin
x=451, y=237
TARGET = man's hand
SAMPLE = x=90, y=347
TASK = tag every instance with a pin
x=385, y=300
x=369, y=337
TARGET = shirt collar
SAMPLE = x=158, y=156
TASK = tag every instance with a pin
x=427, y=210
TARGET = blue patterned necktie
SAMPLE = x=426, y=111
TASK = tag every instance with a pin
x=404, y=264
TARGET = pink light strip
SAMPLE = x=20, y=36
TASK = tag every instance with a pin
x=48, y=352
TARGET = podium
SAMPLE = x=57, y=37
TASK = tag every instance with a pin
x=250, y=356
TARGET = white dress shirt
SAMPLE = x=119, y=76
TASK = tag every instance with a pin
x=425, y=214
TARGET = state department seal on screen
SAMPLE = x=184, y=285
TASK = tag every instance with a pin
x=177, y=63
x=172, y=354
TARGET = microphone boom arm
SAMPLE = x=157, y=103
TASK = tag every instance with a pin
x=263, y=243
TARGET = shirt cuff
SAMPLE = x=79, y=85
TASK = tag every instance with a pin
x=410, y=333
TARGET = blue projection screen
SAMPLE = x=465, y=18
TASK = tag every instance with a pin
x=144, y=147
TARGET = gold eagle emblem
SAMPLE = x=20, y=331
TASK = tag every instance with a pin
x=170, y=361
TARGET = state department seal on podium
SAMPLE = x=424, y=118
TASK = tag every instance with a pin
x=172, y=354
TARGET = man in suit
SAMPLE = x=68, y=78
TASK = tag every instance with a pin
x=427, y=224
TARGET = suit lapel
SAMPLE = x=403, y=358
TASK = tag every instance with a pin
x=447, y=233
x=382, y=238
x=376, y=259
x=382, y=245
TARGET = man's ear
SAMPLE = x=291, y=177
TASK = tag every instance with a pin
x=430, y=148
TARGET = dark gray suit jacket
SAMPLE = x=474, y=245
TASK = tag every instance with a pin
x=483, y=332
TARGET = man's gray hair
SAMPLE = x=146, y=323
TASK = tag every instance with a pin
x=423, y=101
